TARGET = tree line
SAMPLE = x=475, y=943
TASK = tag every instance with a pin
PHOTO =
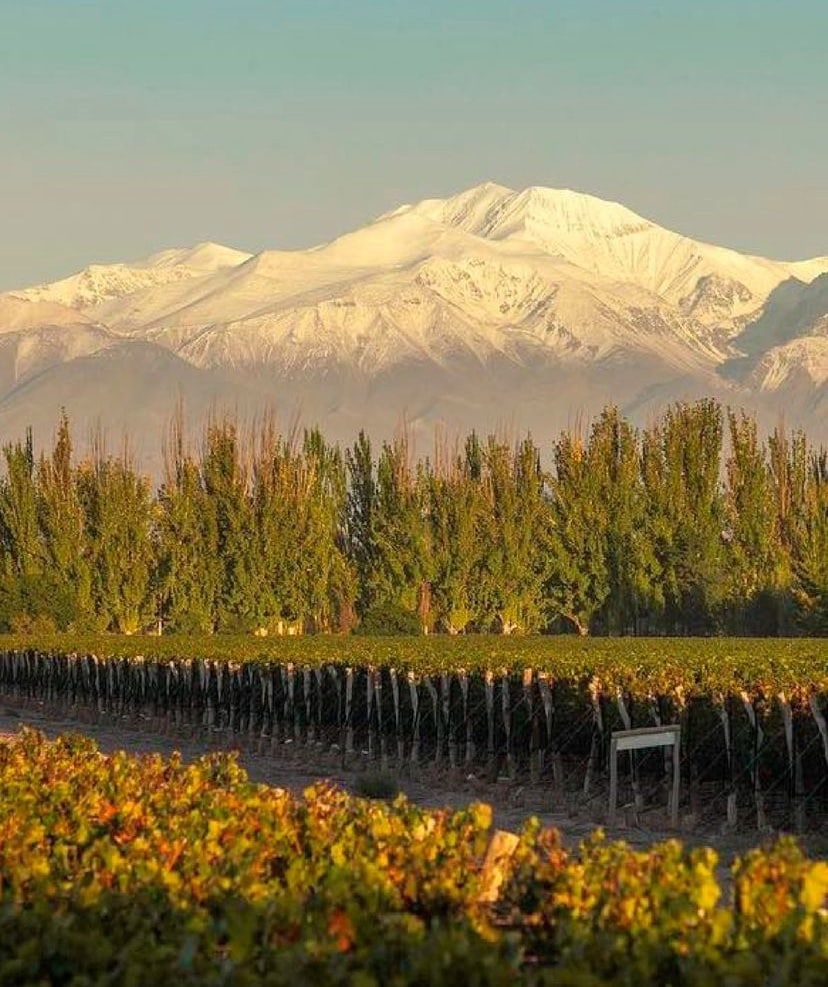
x=693, y=525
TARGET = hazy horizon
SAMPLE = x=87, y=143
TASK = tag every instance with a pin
x=127, y=129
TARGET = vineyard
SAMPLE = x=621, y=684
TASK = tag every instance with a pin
x=144, y=870
x=754, y=734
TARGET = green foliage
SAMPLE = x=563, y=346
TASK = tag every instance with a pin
x=640, y=667
x=188, y=568
x=298, y=500
x=133, y=870
x=400, y=537
x=18, y=510
x=63, y=524
x=389, y=620
x=514, y=532
x=116, y=869
x=578, y=582
x=680, y=459
x=118, y=510
x=676, y=529
x=376, y=785
x=44, y=598
x=225, y=469
x=457, y=511
x=810, y=561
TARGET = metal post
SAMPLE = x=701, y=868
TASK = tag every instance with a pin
x=613, y=798
x=674, y=807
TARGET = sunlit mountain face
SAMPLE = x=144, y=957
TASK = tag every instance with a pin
x=528, y=309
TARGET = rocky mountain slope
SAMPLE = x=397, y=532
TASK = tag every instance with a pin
x=525, y=309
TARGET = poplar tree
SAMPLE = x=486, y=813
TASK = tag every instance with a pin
x=515, y=533
x=456, y=507
x=189, y=564
x=225, y=477
x=788, y=472
x=618, y=512
x=787, y=455
x=298, y=505
x=119, y=512
x=629, y=532
x=681, y=457
x=755, y=570
x=578, y=584
x=811, y=548
x=22, y=551
x=332, y=582
x=400, y=551
x=62, y=523
x=277, y=496
x=360, y=505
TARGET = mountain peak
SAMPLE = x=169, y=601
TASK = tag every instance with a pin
x=99, y=283
x=465, y=305
x=542, y=210
x=535, y=213
x=204, y=256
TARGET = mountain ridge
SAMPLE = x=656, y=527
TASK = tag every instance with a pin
x=535, y=284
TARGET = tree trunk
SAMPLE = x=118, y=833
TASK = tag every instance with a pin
x=580, y=627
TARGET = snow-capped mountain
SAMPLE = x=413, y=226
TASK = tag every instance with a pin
x=531, y=307
x=711, y=284
x=100, y=282
x=789, y=339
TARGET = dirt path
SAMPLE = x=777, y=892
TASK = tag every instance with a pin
x=296, y=767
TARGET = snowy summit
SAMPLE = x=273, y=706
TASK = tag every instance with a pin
x=530, y=306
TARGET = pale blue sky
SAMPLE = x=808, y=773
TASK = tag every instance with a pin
x=127, y=126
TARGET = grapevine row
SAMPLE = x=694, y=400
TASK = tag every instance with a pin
x=144, y=870
x=754, y=729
